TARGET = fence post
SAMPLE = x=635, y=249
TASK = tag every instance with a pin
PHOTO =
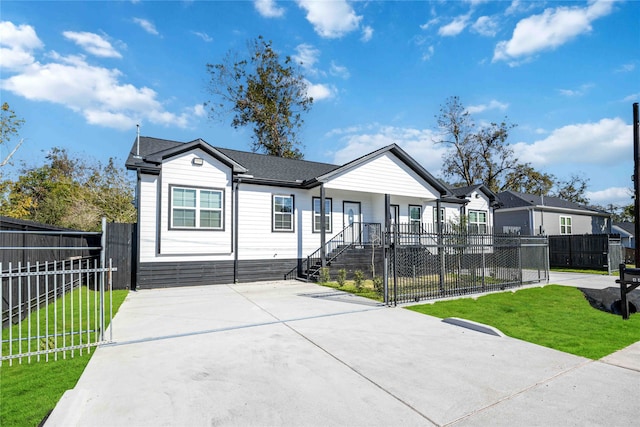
x=103, y=244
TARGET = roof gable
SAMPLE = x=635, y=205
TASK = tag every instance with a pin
x=398, y=153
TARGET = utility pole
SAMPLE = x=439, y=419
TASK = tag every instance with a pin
x=636, y=183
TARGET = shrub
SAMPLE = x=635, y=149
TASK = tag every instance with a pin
x=342, y=277
x=358, y=279
x=378, y=284
x=324, y=275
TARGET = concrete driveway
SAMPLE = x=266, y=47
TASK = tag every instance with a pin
x=297, y=354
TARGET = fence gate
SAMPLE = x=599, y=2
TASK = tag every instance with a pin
x=435, y=264
x=53, y=307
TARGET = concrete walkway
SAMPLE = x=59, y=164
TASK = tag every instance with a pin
x=296, y=354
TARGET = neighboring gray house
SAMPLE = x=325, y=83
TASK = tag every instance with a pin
x=532, y=215
x=626, y=231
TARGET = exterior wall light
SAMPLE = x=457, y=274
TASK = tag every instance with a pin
x=197, y=161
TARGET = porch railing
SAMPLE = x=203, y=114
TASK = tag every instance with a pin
x=353, y=235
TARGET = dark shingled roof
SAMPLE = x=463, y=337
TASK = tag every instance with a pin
x=629, y=227
x=513, y=199
x=260, y=166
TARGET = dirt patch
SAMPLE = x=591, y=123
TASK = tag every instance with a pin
x=608, y=299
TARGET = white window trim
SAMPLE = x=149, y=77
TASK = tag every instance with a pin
x=566, y=226
x=327, y=214
x=478, y=223
x=273, y=213
x=197, y=208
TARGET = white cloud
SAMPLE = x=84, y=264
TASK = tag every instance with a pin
x=367, y=33
x=426, y=55
x=418, y=143
x=492, y=105
x=583, y=89
x=95, y=92
x=204, y=36
x=339, y=71
x=455, y=27
x=604, y=143
x=146, y=25
x=549, y=30
x=93, y=43
x=268, y=8
x=431, y=22
x=199, y=111
x=17, y=44
x=331, y=19
x=485, y=26
x=626, y=68
x=619, y=196
x=307, y=56
x=632, y=98
x=320, y=91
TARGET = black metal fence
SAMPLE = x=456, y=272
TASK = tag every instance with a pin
x=429, y=263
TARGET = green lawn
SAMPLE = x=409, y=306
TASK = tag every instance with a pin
x=554, y=316
x=28, y=392
x=366, y=290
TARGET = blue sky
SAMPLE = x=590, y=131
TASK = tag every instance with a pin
x=83, y=74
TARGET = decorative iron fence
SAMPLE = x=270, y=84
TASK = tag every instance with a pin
x=57, y=305
x=54, y=308
x=427, y=263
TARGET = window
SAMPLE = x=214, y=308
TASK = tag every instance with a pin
x=196, y=208
x=283, y=213
x=478, y=222
x=316, y=214
x=415, y=218
x=565, y=225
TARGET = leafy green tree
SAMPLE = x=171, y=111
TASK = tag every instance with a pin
x=10, y=125
x=69, y=192
x=262, y=91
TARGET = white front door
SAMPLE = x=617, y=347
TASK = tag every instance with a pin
x=352, y=219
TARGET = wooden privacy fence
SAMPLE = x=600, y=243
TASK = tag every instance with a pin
x=27, y=242
x=594, y=251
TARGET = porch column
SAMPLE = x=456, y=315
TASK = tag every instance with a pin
x=386, y=239
x=323, y=228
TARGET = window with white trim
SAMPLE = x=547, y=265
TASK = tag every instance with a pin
x=415, y=218
x=316, y=214
x=196, y=208
x=565, y=225
x=438, y=218
x=282, y=213
x=478, y=222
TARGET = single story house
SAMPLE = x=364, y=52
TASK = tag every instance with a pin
x=626, y=231
x=532, y=215
x=211, y=215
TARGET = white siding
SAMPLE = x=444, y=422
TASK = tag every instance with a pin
x=148, y=209
x=384, y=174
x=256, y=239
x=179, y=171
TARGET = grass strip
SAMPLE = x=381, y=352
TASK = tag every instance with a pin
x=28, y=392
x=553, y=316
